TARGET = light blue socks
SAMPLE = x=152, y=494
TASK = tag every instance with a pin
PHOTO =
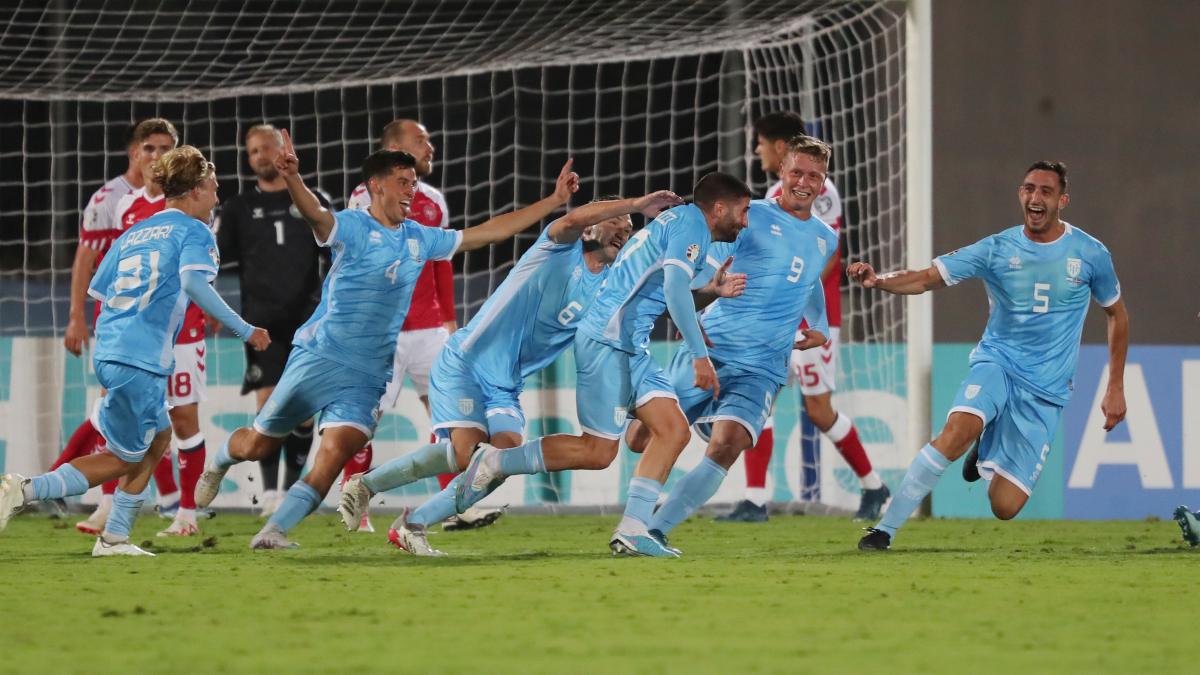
x=428, y=460
x=923, y=474
x=438, y=507
x=523, y=459
x=689, y=494
x=301, y=499
x=65, y=481
x=639, y=506
x=125, y=508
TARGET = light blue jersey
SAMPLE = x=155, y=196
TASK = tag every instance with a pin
x=531, y=318
x=782, y=258
x=138, y=284
x=366, y=295
x=1038, y=296
x=631, y=299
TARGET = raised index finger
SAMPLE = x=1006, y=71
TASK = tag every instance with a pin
x=287, y=142
x=566, y=168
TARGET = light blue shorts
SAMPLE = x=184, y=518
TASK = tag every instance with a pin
x=133, y=411
x=610, y=382
x=1019, y=426
x=310, y=384
x=459, y=398
x=746, y=398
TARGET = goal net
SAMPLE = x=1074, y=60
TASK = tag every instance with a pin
x=643, y=96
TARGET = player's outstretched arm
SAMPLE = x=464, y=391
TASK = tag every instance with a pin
x=903, y=282
x=81, y=276
x=317, y=216
x=509, y=224
x=571, y=226
x=195, y=284
x=1113, y=404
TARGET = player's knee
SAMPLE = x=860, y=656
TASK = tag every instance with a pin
x=724, y=452
x=1006, y=510
x=637, y=436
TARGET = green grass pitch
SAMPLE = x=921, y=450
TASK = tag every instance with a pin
x=542, y=594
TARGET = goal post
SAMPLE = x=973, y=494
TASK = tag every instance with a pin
x=641, y=96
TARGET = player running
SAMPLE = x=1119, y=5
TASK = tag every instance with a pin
x=261, y=232
x=614, y=370
x=522, y=328
x=813, y=369
x=144, y=287
x=1039, y=277
x=783, y=251
x=342, y=358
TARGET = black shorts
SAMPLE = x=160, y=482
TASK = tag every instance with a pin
x=263, y=369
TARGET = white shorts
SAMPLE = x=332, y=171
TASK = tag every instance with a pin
x=416, y=350
x=816, y=369
x=187, y=384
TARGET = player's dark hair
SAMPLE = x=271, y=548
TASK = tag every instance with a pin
x=382, y=163
x=779, y=126
x=1057, y=167
x=718, y=187
x=155, y=125
x=129, y=132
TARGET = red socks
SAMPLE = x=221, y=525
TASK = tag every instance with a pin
x=191, y=465
x=758, y=459
x=359, y=463
x=854, y=454
x=83, y=441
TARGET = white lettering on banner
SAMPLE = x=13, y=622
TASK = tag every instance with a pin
x=1190, y=402
x=1144, y=449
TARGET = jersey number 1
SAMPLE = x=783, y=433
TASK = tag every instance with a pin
x=129, y=277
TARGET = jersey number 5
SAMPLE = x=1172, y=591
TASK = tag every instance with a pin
x=1041, y=300
x=129, y=277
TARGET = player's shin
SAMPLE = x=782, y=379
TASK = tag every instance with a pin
x=639, y=506
x=295, y=453
x=191, y=465
x=438, y=507
x=301, y=500
x=120, y=520
x=689, y=494
x=428, y=460
x=923, y=474
x=65, y=481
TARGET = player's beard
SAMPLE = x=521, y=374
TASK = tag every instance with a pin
x=266, y=173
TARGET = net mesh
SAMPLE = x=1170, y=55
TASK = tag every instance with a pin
x=641, y=97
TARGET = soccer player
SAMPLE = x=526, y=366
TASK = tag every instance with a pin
x=106, y=218
x=342, y=356
x=261, y=232
x=1039, y=277
x=615, y=373
x=431, y=316
x=1189, y=524
x=144, y=286
x=784, y=251
x=814, y=369
x=522, y=328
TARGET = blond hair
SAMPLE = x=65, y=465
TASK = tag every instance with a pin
x=265, y=129
x=155, y=125
x=813, y=147
x=181, y=170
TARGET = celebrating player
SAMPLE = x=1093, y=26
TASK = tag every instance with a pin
x=431, y=316
x=814, y=369
x=343, y=356
x=261, y=232
x=144, y=287
x=1039, y=277
x=784, y=251
x=614, y=370
x=523, y=327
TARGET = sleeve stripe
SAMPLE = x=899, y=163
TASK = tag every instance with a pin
x=1113, y=301
x=203, y=268
x=99, y=297
x=458, y=235
x=681, y=265
x=713, y=262
x=941, y=268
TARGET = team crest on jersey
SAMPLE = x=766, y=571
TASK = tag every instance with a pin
x=618, y=416
x=257, y=213
x=693, y=252
x=216, y=257
x=414, y=248
x=293, y=211
x=1074, y=265
x=823, y=205
x=375, y=238
x=776, y=230
x=821, y=245
x=1014, y=263
x=148, y=436
x=430, y=212
x=577, y=273
x=972, y=391
x=466, y=405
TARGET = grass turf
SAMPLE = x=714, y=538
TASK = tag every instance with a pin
x=542, y=594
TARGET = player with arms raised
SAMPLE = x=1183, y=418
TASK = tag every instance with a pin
x=342, y=358
x=783, y=251
x=1039, y=277
x=615, y=374
x=522, y=328
x=144, y=286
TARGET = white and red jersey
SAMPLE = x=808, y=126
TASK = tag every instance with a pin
x=133, y=209
x=433, y=296
x=827, y=207
x=101, y=225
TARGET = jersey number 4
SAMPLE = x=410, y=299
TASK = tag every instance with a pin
x=129, y=277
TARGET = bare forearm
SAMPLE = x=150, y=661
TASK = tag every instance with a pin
x=318, y=217
x=909, y=282
x=507, y=225
x=1118, y=345
x=81, y=276
x=571, y=226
